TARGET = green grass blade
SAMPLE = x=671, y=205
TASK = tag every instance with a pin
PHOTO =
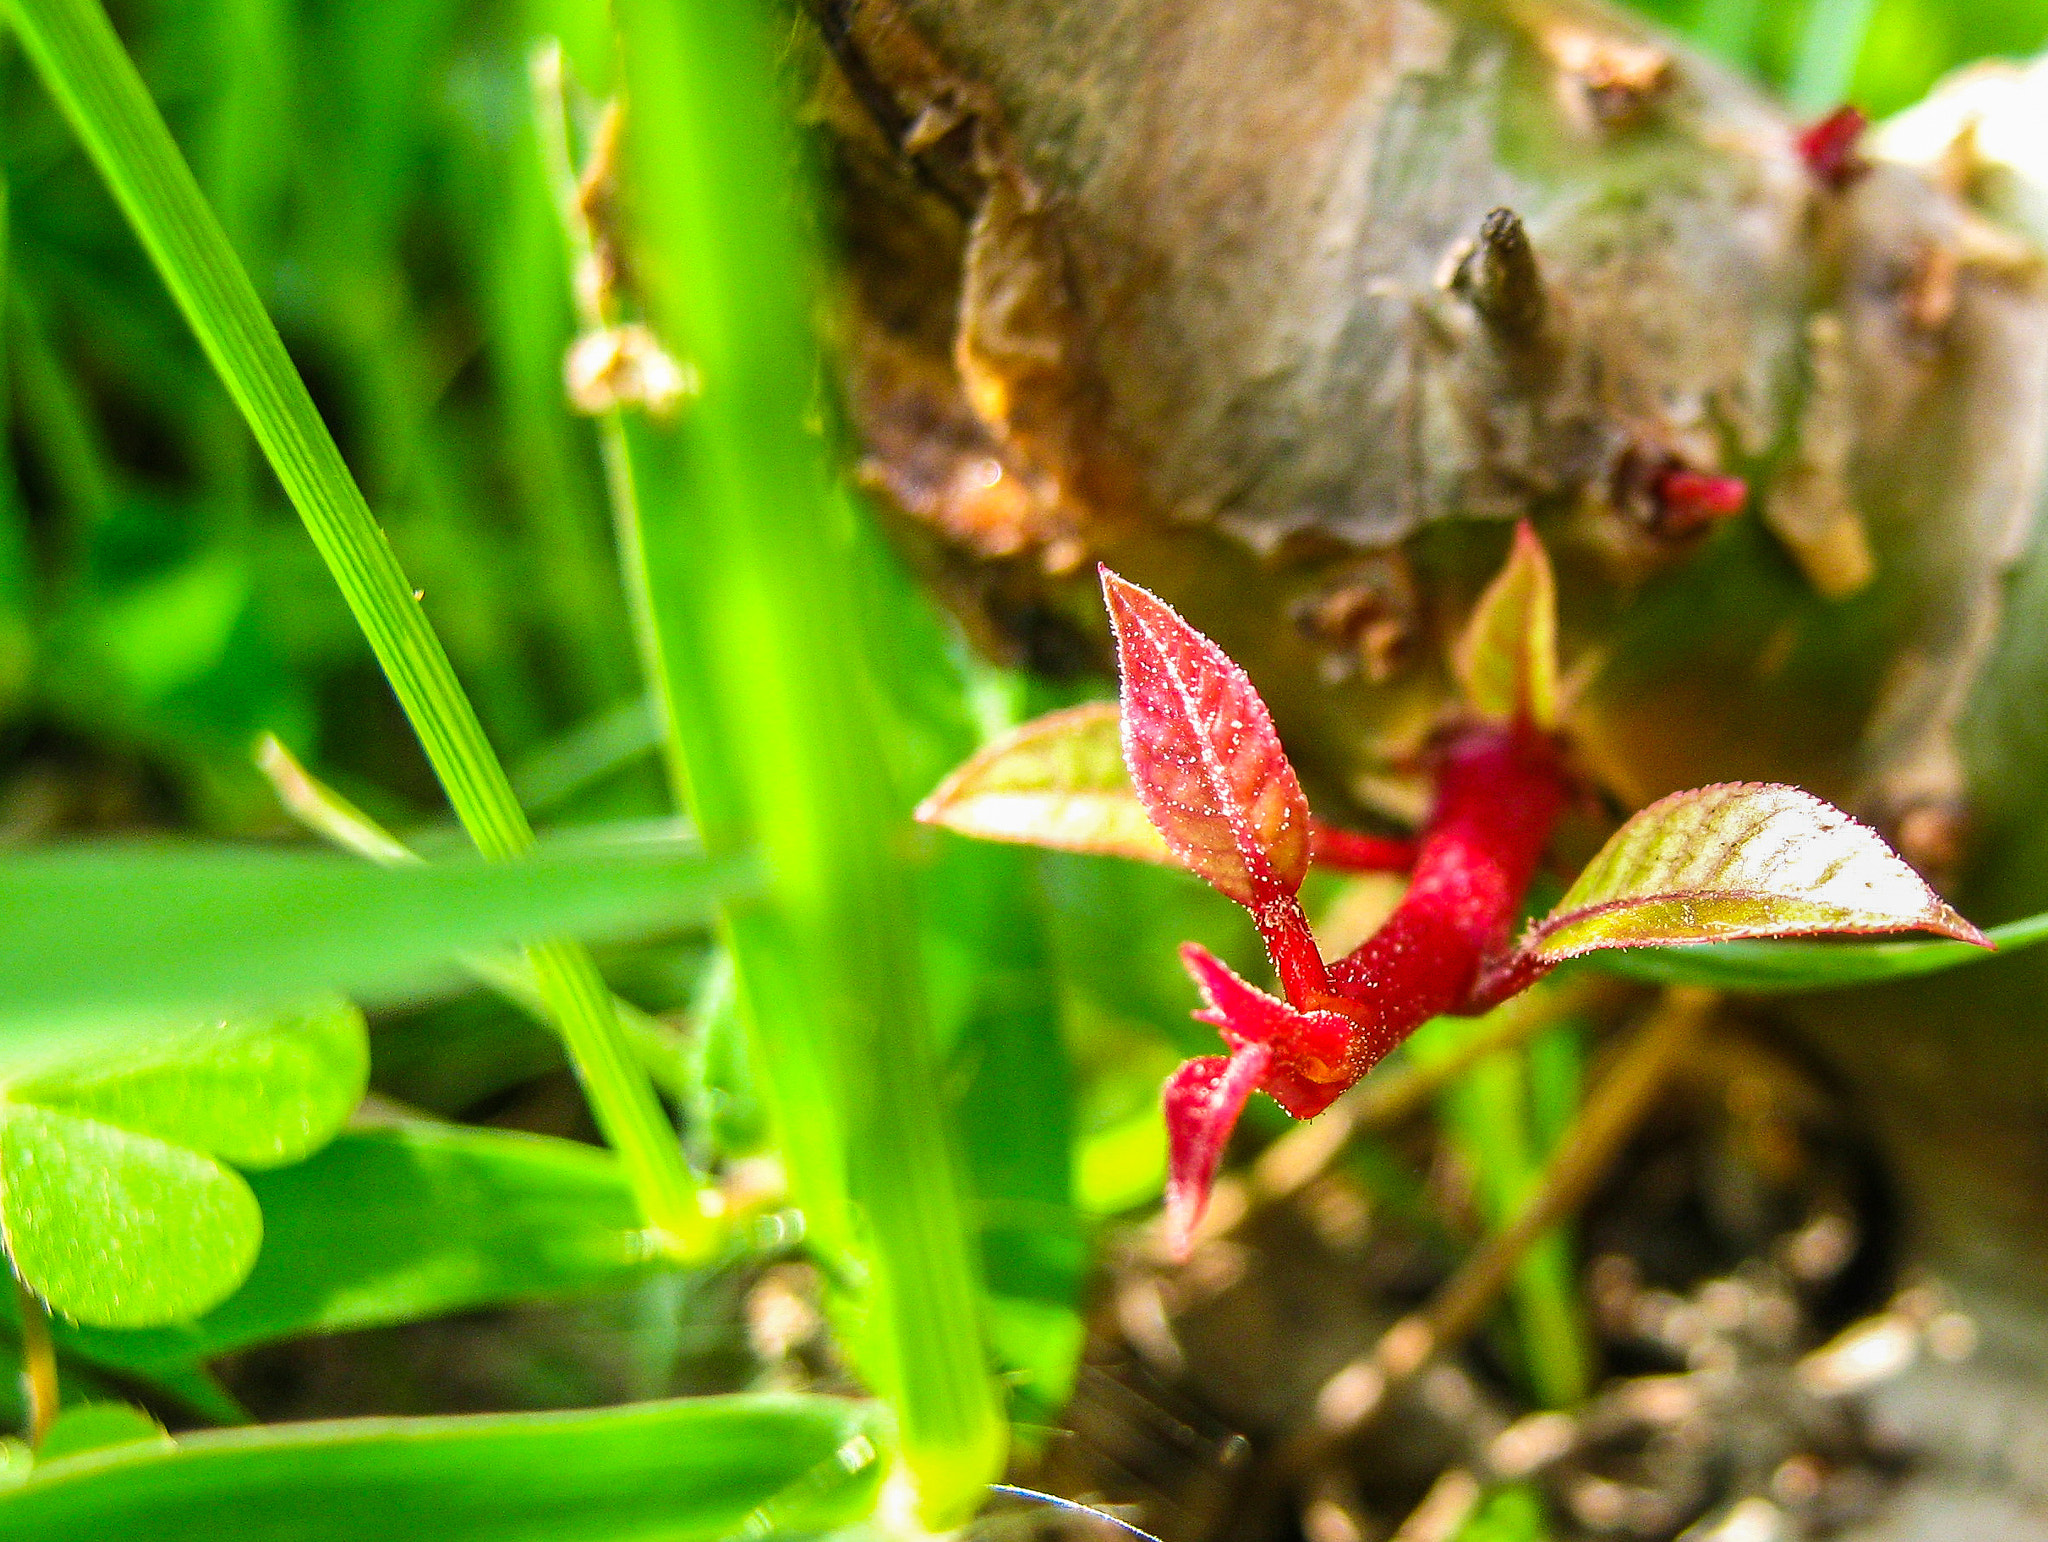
x=82, y=62
x=116, y=933
x=608, y=743
x=1768, y=968
x=327, y=814
x=694, y=1470
x=1497, y=1127
x=17, y=569
x=1829, y=44
x=741, y=555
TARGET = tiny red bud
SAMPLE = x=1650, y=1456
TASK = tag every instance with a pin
x=1829, y=148
x=1689, y=500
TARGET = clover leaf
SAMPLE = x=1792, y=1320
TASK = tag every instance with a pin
x=117, y=1204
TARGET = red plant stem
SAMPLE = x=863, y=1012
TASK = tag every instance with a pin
x=1348, y=851
x=1283, y=927
x=1499, y=792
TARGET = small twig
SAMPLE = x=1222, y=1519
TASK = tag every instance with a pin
x=1353, y=1397
x=39, y=1389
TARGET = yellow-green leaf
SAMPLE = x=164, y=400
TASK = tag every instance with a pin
x=1506, y=659
x=116, y=1206
x=1739, y=859
x=98, y=1427
x=1057, y=781
x=256, y=1091
x=117, y=1229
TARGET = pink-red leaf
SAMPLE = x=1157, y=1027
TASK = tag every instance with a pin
x=1739, y=859
x=1203, y=755
x=1057, y=781
x=1203, y=1099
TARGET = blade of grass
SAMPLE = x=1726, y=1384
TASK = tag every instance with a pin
x=1489, y=1115
x=108, y=934
x=690, y=1470
x=332, y=817
x=82, y=63
x=737, y=561
x=17, y=566
x=57, y=422
x=594, y=749
x=1829, y=44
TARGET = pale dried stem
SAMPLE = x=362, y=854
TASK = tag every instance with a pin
x=39, y=1389
x=1444, y=1509
x=1353, y=1397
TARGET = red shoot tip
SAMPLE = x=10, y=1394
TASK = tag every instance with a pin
x=1203, y=755
x=1829, y=148
x=1303, y=1060
x=1691, y=500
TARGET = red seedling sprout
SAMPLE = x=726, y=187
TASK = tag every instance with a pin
x=1349, y=851
x=1206, y=768
x=1499, y=790
x=1209, y=769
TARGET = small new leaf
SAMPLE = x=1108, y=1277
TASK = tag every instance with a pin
x=1739, y=859
x=1203, y=1099
x=1057, y=781
x=1203, y=755
x=1506, y=659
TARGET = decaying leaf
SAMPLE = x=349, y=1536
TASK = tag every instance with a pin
x=1057, y=781
x=1506, y=659
x=1203, y=755
x=1739, y=859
